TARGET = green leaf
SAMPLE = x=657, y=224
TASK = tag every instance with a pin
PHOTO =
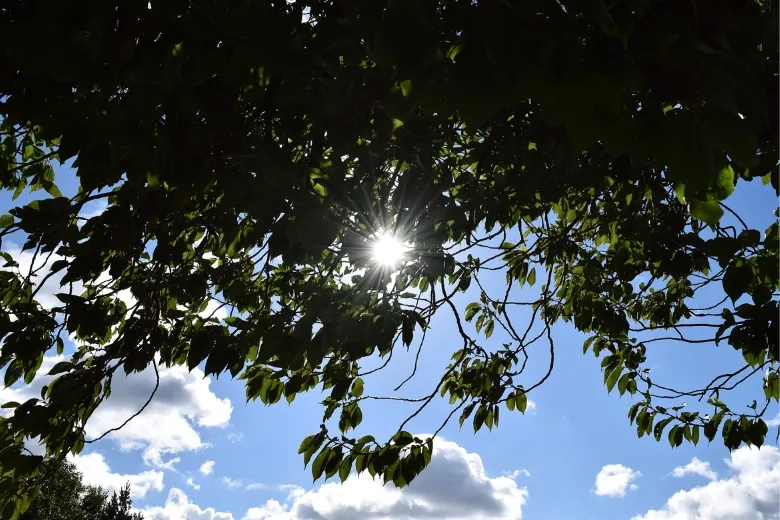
x=479, y=417
x=531, y=276
x=613, y=376
x=51, y=189
x=708, y=211
x=6, y=221
x=521, y=401
x=59, y=368
x=153, y=180
x=333, y=462
x=710, y=429
x=772, y=386
x=489, y=329
x=406, y=87
x=588, y=342
x=658, y=429
x=305, y=444
x=471, y=310
x=403, y=438
x=725, y=183
x=623, y=383
x=738, y=279
x=318, y=466
x=345, y=468
x=749, y=238
x=407, y=330
x=357, y=387
x=633, y=411
x=510, y=401
x=733, y=435
x=756, y=432
x=676, y=436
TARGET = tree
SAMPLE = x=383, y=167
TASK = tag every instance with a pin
x=59, y=497
x=252, y=153
x=63, y=496
x=119, y=507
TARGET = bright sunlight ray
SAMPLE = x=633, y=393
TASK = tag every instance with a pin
x=388, y=250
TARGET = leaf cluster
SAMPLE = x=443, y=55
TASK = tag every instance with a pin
x=249, y=153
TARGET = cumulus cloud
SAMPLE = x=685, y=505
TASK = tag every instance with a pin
x=751, y=493
x=96, y=472
x=179, y=507
x=695, y=467
x=192, y=484
x=454, y=487
x=207, y=467
x=614, y=479
x=231, y=483
x=183, y=403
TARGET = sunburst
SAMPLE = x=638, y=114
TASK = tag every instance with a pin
x=388, y=250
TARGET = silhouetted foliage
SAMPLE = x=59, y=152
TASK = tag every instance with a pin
x=251, y=153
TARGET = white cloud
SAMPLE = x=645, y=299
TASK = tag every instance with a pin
x=751, y=493
x=169, y=464
x=207, y=467
x=695, y=467
x=289, y=488
x=255, y=486
x=52, y=285
x=516, y=473
x=192, y=484
x=613, y=479
x=21, y=394
x=183, y=403
x=96, y=472
x=93, y=208
x=235, y=437
x=179, y=507
x=774, y=422
x=454, y=486
x=214, y=309
x=45, y=295
x=229, y=482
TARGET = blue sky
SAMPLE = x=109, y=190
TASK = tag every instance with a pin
x=201, y=453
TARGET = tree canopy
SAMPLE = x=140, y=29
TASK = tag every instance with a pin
x=63, y=496
x=251, y=154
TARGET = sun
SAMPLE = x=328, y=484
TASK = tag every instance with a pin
x=388, y=250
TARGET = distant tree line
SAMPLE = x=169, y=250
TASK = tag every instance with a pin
x=63, y=496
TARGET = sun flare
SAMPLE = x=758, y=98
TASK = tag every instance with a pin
x=388, y=250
